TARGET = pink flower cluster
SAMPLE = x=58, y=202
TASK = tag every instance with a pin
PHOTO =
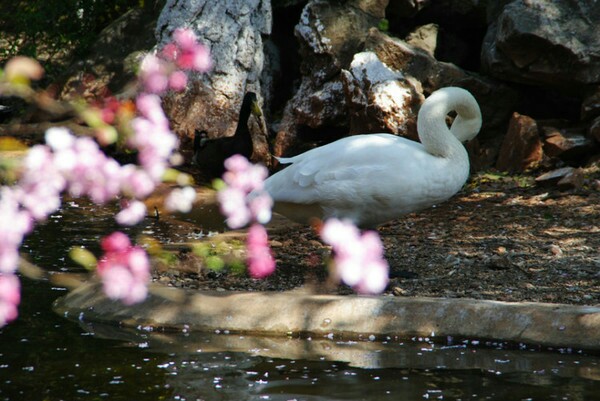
x=77, y=165
x=260, y=259
x=124, y=269
x=14, y=224
x=163, y=71
x=358, y=258
x=152, y=136
x=10, y=297
x=245, y=201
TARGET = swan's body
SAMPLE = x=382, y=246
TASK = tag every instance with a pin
x=370, y=179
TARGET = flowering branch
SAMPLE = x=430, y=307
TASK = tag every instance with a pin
x=244, y=201
x=78, y=166
x=358, y=259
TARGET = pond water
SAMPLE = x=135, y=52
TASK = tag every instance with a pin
x=46, y=357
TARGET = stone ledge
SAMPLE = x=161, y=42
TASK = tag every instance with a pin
x=347, y=317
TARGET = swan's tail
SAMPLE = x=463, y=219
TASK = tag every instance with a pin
x=285, y=160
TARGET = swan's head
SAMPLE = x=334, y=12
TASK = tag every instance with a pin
x=467, y=123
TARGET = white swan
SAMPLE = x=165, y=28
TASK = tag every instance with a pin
x=372, y=178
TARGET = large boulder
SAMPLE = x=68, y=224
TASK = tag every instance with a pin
x=356, y=78
x=111, y=66
x=495, y=99
x=379, y=98
x=233, y=30
x=545, y=42
x=329, y=35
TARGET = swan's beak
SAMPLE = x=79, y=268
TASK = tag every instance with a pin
x=256, y=109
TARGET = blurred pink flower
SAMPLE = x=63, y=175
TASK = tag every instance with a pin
x=260, y=260
x=180, y=199
x=169, y=51
x=41, y=183
x=192, y=55
x=10, y=297
x=25, y=67
x=133, y=212
x=178, y=81
x=260, y=207
x=135, y=182
x=163, y=70
x=233, y=206
x=153, y=74
x=116, y=242
x=358, y=258
x=243, y=200
x=152, y=136
x=185, y=38
x=124, y=269
x=14, y=224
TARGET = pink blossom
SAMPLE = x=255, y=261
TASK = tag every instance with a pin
x=23, y=67
x=180, y=200
x=151, y=108
x=202, y=61
x=260, y=260
x=153, y=74
x=244, y=200
x=260, y=207
x=191, y=55
x=152, y=136
x=115, y=242
x=244, y=175
x=10, y=297
x=161, y=71
x=14, y=224
x=178, y=81
x=185, y=38
x=169, y=51
x=124, y=269
x=41, y=183
x=358, y=258
x=233, y=206
x=120, y=283
x=132, y=213
x=136, y=182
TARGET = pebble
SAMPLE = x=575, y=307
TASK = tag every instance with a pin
x=556, y=251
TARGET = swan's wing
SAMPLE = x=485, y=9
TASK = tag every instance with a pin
x=350, y=168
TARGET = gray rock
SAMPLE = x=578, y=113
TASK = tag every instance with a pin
x=568, y=143
x=379, y=98
x=111, y=66
x=549, y=42
x=233, y=31
x=424, y=37
x=497, y=101
x=329, y=34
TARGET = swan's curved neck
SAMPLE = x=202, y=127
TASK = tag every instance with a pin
x=436, y=137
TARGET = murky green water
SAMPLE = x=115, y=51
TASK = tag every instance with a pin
x=46, y=357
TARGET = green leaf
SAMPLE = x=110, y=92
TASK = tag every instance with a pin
x=218, y=184
x=214, y=262
x=83, y=257
x=384, y=25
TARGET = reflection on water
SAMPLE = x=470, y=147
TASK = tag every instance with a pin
x=44, y=356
